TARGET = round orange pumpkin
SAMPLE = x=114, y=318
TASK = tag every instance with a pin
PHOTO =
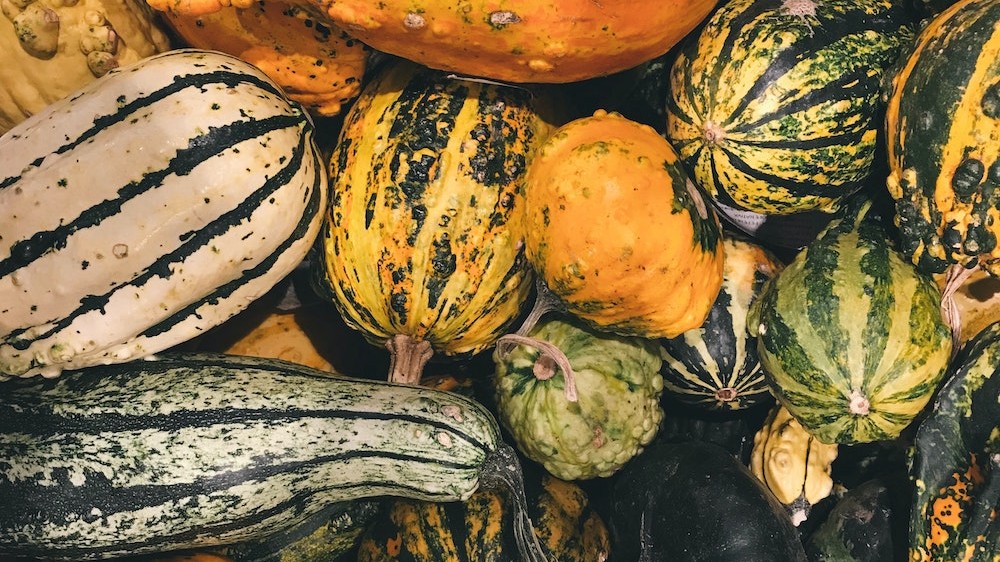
x=618, y=232
x=553, y=41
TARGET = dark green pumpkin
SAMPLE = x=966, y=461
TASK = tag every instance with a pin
x=956, y=462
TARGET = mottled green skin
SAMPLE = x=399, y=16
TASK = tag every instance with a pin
x=850, y=334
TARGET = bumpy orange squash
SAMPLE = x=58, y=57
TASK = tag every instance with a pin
x=618, y=232
x=550, y=41
x=315, y=63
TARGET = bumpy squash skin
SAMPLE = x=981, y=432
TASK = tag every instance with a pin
x=955, y=465
x=943, y=137
x=774, y=105
x=715, y=366
x=52, y=49
x=553, y=41
x=618, y=232
x=316, y=64
x=425, y=177
x=851, y=335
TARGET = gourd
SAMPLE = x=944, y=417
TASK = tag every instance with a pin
x=715, y=366
x=695, y=501
x=943, y=141
x=858, y=527
x=479, y=529
x=792, y=463
x=956, y=465
x=201, y=450
x=587, y=422
x=850, y=333
x=617, y=232
x=775, y=106
x=554, y=41
x=52, y=49
x=216, y=194
x=415, y=250
x=315, y=63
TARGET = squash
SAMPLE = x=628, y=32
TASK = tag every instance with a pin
x=715, y=366
x=857, y=529
x=479, y=529
x=591, y=429
x=416, y=251
x=617, y=232
x=215, y=195
x=943, y=138
x=792, y=463
x=52, y=49
x=554, y=41
x=694, y=501
x=956, y=461
x=315, y=63
x=850, y=333
x=775, y=106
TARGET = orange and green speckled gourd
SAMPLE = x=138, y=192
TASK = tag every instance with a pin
x=618, y=232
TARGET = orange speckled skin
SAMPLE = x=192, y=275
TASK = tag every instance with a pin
x=552, y=41
x=618, y=232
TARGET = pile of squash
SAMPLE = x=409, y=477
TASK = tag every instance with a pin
x=340, y=280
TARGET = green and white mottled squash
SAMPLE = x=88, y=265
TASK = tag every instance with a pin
x=148, y=207
x=956, y=461
x=716, y=366
x=943, y=137
x=416, y=244
x=775, y=105
x=200, y=450
x=589, y=429
x=850, y=334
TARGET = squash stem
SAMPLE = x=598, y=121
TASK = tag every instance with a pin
x=407, y=358
x=543, y=368
x=502, y=472
x=545, y=301
x=957, y=275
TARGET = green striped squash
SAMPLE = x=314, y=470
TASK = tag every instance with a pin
x=716, y=366
x=150, y=206
x=426, y=174
x=850, y=334
x=198, y=450
x=774, y=105
x=943, y=136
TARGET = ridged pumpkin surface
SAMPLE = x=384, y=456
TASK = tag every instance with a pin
x=850, y=334
x=943, y=136
x=426, y=174
x=618, y=232
x=774, y=105
x=550, y=41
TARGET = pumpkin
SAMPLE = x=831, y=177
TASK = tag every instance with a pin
x=479, y=530
x=850, y=333
x=792, y=463
x=595, y=427
x=315, y=63
x=537, y=41
x=617, y=232
x=943, y=138
x=52, y=49
x=774, y=105
x=416, y=251
x=715, y=366
x=956, y=461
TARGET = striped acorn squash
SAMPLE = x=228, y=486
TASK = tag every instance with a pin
x=480, y=530
x=850, y=334
x=215, y=192
x=775, y=105
x=416, y=250
x=617, y=232
x=943, y=136
x=956, y=461
x=716, y=366
x=200, y=450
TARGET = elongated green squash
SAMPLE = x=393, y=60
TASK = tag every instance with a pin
x=196, y=450
x=148, y=207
